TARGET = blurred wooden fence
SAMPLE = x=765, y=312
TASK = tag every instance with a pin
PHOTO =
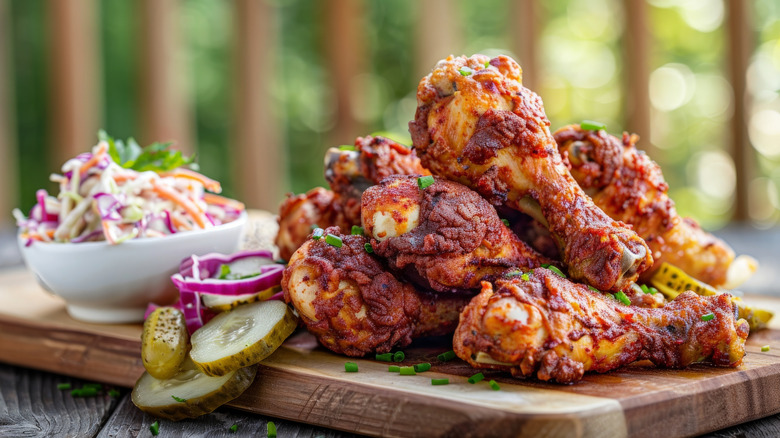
x=75, y=94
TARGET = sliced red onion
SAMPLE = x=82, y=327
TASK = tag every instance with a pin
x=277, y=296
x=168, y=222
x=270, y=276
x=195, y=315
x=207, y=266
x=41, y=195
x=108, y=206
x=149, y=309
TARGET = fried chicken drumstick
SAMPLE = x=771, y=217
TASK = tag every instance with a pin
x=354, y=306
x=349, y=173
x=445, y=236
x=476, y=124
x=630, y=187
x=553, y=329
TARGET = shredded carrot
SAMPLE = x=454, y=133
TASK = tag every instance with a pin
x=96, y=157
x=122, y=177
x=38, y=236
x=179, y=223
x=210, y=184
x=211, y=198
x=107, y=232
x=187, y=204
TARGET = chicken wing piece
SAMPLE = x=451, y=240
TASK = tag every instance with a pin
x=630, y=187
x=350, y=172
x=476, y=124
x=354, y=306
x=445, y=236
x=554, y=329
x=299, y=213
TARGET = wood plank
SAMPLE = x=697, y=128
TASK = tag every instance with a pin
x=259, y=156
x=8, y=156
x=32, y=406
x=526, y=16
x=74, y=78
x=127, y=421
x=437, y=34
x=636, y=54
x=346, y=59
x=303, y=382
x=739, y=50
x=165, y=113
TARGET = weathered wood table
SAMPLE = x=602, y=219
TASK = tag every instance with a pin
x=32, y=405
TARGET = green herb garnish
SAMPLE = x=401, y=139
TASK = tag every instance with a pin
x=369, y=249
x=446, y=356
x=179, y=399
x=399, y=356
x=708, y=317
x=765, y=348
x=347, y=147
x=621, y=296
x=506, y=222
x=593, y=289
x=554, y=269
x=271, y=429
x=494, y=385
x=385, y=357
x=408, y=371
x=351, y=367
x=440, y=381
x=156, y=157
x=590, y=125
x=317, y=233
x=648, y=290
x=357, y=230
x=332, y=240
x=424, y=181
x=476, y=378
x=155, y=428
x=465, y=71
x=63, y=386
x=233, y=428
x=422, y=367
x=113, y=393
x=393, y=368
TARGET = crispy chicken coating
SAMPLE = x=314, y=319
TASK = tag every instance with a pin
x=349, y=173
x=629, y=186
x=444, y=236
x=476, y=124
x=354, y=306
x=299, y=213
x=556, y=330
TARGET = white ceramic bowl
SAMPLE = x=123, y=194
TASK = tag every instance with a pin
x=114, y=283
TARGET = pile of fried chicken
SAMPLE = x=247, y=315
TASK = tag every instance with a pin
x=509, y=237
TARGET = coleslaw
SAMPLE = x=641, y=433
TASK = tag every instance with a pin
x=101, y=199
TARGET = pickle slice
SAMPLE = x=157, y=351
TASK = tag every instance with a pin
x=190, y=393
x=241, y=337
x=164, y=342
x=672, y=281
x=222, y=303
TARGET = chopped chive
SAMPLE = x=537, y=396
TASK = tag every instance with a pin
x=369, y=248
x=351, y=367
x=393, y=368
x=385, y=357
x=422, y=367
x=648, y=290
x=494, y=385
x=357, y=231
x=155, y=428
x=593, y=289
x=554, y=269
x=97, y=386
x=708, y=317
x=476, y=378
x=440, y=381
x=465, y=71
x=179, y=399
x=590, y=125
x=271, y=429
x=513, y=273
x=525, y=277
x=506, y=222
x=332, y=240
x=63, y=386
x=233, y=428
x=317, y=233
x=408, y=371
x=446, y=356
x=224, y=271
x=621, y=296
x=424, y=181
x=765, y=348
x=113, y=393
x=347, y=147
x=399, y=356
x=487, y=64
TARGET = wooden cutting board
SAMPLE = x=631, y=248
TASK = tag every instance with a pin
x=306, y=383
